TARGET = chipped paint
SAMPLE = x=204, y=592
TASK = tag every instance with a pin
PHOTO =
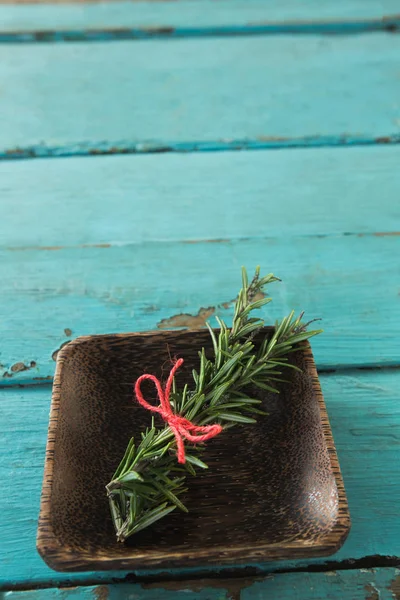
x=367, y=570
x=18, y=367
x=210, y=241
x=187, y=320
x=227, y=305
x=54, y=248
x=258, y=296
x=125, y=149
x=98, y=148
x=387, y=233
x=100, y=592
x=51, y=248
x=232, y=586
x=372, y=592
x=395, y=587
x=20, y=153
x=270, y=138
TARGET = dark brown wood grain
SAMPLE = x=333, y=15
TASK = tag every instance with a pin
x=273, y=489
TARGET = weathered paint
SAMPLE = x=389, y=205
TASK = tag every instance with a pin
x=185, y=93
x=76, y=286
x=18, y=367
x=364, y=413
x=96, y=290
x=188, y=321
x=204, y=14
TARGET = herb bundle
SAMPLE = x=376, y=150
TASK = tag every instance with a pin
x=149, y=482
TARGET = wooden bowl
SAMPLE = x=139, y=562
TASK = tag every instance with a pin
x=273, y=489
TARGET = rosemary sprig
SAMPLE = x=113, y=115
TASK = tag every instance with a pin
x=149, y=482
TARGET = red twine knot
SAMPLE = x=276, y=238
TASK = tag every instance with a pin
x=181, y=427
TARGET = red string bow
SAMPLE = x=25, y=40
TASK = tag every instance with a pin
x=181, y=427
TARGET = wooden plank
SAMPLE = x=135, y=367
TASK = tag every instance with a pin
x=365, y=417
x=360, y=584
x=184, y=94
x=191, y=198
x=351, y=282
x=200, y=13
x=199, y=197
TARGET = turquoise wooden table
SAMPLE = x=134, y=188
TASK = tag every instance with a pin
x=148, y=150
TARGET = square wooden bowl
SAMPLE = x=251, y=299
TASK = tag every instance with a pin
x=273, y=489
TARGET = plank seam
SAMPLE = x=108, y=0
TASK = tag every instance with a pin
x=390, y=24
x=322, y=370
x=234, y=573
x=131, y=147
x=113, y=244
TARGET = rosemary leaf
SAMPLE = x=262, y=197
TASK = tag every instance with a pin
x=194, y=460
x=236, y=417
x=149, y=519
